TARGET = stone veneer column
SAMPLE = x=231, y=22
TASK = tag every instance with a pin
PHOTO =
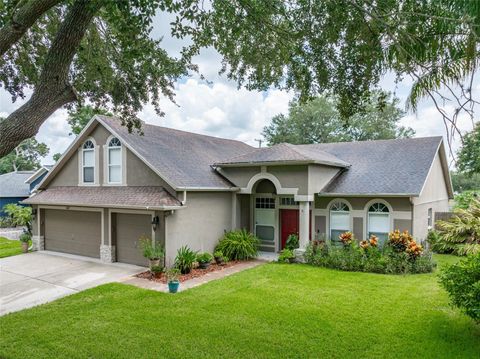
x=107, y=253
x=38, y=243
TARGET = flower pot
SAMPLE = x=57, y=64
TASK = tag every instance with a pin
x=173, y=286
x=154, y=263
x=25, y=247
x=204, y=265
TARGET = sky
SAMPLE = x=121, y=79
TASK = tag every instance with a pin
x=219, y=108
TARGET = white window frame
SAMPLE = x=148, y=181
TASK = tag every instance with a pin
x=110, y=165
x=82, y=164
x=329, y=208
x=388, y=215
x=430, y=218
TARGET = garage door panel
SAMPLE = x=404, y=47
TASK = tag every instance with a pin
x=76, y=232
x=129, y=228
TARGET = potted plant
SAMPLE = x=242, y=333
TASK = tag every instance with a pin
x=204, y=260
x=152, y=251
x=156, y=271
x=25, y=239
x=172, y=280
x=218, y=255
x=185, y=259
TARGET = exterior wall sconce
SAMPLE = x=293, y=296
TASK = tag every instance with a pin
x=34, y=214
x=155, y=222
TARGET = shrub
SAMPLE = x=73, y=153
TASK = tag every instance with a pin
x=239, y=244
x=218, y=254
x=397, y=256
x=462, y=282
x=185, y=259
x=150, y=249
x=464, y=200
x=461, y=234
x=292, y=242
x=19, y=215
x=286, y=256
x=157, y=270
x=204, y=257
x=25, y=237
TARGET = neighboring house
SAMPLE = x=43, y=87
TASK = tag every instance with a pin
x=13, y=188
x=34, y=180
x=111, y=187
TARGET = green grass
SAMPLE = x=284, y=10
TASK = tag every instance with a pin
x=9, y=247
x=272, y=311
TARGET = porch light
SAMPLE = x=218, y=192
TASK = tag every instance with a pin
x=34, y=214
x=155, y=222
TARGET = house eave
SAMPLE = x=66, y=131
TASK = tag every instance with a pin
x=332, y=194
x=279, y=163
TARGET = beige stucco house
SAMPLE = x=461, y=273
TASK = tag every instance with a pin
x=111, y=187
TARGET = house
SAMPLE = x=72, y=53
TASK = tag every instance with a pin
x=17, y=186
x=13, y=188
x=111, y=187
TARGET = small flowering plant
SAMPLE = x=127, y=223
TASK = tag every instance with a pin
x=414, y=249
x=364, y=244
x=346, y=238
x=400, y=240
x=373, y=240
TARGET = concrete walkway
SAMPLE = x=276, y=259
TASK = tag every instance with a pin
x=27, y=280
x=194, y=282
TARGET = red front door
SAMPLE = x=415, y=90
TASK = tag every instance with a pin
x=289, y=223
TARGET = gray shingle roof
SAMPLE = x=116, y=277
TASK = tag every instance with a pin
x=184, y=159
x=141, y=197
x=13, y=184
x=285, y=152
x=382, y=167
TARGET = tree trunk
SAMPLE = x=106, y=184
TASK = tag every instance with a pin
x=53, y=89
x=22, y=19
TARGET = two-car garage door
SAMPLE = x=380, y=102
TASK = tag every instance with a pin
x=76, y=232
x=80, y=232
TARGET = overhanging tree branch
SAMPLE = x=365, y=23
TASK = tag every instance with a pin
x=53, y=89
x=22, y=19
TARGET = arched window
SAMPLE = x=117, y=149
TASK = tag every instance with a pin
x=114, y=161
x=339, y=220
x=379, y=221
x=88, y=162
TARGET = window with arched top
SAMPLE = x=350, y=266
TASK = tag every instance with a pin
x=339, y=220
x=114, y=161
x=88, y=162
x=379, y=221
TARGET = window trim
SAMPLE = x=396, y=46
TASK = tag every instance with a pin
x=329, y=209
x=108, y=165
x=388, y=214
x=82, y=163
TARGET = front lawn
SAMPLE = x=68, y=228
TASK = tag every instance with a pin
x=270, y=311
x=9, y=247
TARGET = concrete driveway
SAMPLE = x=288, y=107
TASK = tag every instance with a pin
x=31, y=279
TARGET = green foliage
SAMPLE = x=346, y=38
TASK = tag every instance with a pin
x=318, y=121
x=218, y=254
x=24, y=157
x=150, y=249
x=292, y=241
x=79, y=117
x=464, y=200
x=56, y=156
x=462, y=282
x=172, y=274
x=469, y=155
x=6, y=222
x=286, y=256
x=352, y=257
x=157, y=269
x=25, y=237
x=185, y=259
x=204, y=257
x=463, y=182
x=239, y=244
x=19, y=215
x=461, y=234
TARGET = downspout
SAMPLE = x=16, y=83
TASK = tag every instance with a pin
x=184, y=201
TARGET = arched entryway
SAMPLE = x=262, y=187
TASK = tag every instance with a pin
x=265, y=214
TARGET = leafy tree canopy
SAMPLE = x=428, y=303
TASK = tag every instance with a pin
x=24, y=157
x=469, y=154
x=56, y=156
x=462, y=182
x=68, y=52
x=79, y=117
x=318, y=121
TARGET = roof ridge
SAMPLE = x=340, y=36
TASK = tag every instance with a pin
x=371, y=141
x=292, y=147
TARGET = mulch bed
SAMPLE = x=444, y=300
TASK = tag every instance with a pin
x=194, y=273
